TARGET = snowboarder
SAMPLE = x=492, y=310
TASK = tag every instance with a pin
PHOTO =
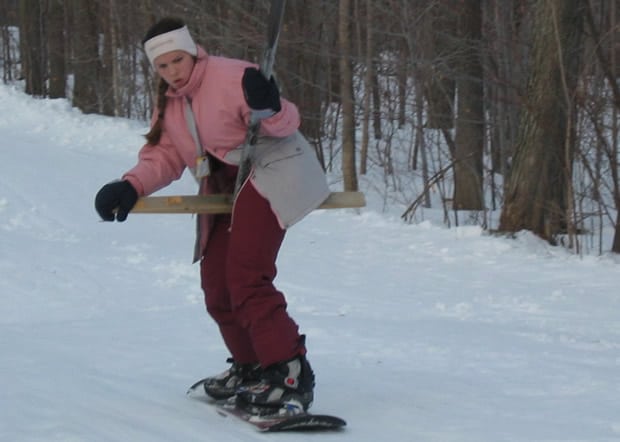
x=202, y=113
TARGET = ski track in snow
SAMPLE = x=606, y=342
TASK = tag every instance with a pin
x=416, y=332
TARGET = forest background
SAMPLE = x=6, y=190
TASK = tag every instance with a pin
x=503, y=113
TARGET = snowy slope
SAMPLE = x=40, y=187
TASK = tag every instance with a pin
x=416, y=332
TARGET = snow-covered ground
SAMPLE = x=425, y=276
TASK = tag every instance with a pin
x=416, y=332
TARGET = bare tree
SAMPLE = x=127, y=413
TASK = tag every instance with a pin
x=505, y=36
x=85, y=59
x=606, y=44
x=56, y=25
x=32, y=49
x=107, y=80
x=346, y=95
x=469, y=139
x=537, y=190
x=368, y=85
x=504, y=78
x=437, y=51
x=8, y=19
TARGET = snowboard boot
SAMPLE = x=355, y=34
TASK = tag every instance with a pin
x=285, y=386
x=225, y=384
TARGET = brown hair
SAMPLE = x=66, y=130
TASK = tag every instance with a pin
x=154, y=135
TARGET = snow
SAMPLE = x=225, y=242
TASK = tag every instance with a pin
x=416, y=332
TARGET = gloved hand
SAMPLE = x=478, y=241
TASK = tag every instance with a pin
x=260, y=93
x=116, y=195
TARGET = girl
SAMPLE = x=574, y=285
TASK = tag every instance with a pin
x=203, y=111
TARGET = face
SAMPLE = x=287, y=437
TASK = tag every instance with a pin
x=175, y=67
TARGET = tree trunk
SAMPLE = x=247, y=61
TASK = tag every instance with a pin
x=86, y=62
x=8, y=14
x=367, y=90
x=469, y=138
x=349, y=172
x=505, y=89
x=437, y=51
x=402, y=76
x=31, y=46
x=420, y=146
x=609, y=66
x=376, y=102
x=56, y=48
x=105, y=85
x=536, y=194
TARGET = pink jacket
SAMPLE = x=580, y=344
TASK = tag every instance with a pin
x=222, y=117
x=286, y=171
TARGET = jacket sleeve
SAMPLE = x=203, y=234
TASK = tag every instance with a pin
x=157, y=167
x=282, y=124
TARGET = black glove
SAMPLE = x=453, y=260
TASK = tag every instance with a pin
x=116, y=195
x=260, y=93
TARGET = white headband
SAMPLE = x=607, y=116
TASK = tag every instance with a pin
x=175, y=40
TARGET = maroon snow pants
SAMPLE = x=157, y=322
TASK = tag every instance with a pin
x=237, y=272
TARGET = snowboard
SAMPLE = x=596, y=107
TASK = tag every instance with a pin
x=300, y=421
x=279, y=420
